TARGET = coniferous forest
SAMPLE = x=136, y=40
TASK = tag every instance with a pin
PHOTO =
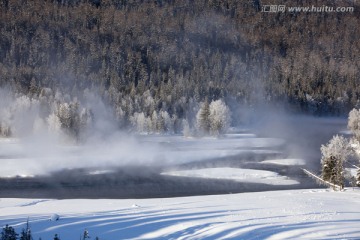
x=155, y=62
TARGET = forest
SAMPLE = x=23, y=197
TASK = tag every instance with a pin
x=156, y=63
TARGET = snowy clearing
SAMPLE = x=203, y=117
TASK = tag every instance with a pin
x=294, y=214
x=235, y=174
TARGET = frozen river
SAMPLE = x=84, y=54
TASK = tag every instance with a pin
x=245, y=160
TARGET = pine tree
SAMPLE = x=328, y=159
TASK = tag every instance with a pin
x=8, y=233
x=86, y=235
x=26, y=233
x=203, y=118
x=56, y=237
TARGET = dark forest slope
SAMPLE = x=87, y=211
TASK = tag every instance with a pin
x=183, y=49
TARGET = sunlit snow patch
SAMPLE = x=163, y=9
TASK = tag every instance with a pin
x=285, y=162
x=235, y=174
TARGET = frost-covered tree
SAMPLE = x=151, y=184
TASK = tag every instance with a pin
x=334, y=154
x=167, y=121
x=68, y=117
x=140, y=122
x=54, y=123
x=154, y=120
x=186, y=128
x=120, y=115
x=203, y=118
x=5, y=130
x=354, y=127
x=160, y=124
x=85, y=118
x=354, y=123
x=18, y=115
x=220, y=117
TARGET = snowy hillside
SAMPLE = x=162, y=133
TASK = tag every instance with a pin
x=294, y=214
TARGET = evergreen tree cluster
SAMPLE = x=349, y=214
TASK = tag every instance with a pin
x=152, y=57
x=9, y=233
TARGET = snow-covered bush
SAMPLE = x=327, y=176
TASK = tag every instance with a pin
x=334, y=154
x=54, y=217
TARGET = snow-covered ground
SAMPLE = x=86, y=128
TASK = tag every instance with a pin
x=235, y=174
x=285, y=162
x=292, y=214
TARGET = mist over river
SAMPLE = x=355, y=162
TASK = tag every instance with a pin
x=264, y=156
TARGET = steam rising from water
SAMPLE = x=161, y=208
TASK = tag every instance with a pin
x=105, y=147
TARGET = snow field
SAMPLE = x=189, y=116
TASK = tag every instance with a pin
x=235, y=174
x=291, y=214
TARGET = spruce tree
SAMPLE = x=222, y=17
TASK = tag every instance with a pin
x=86, y=235
x=26, y=233
x=8, y=233
x=203, y=118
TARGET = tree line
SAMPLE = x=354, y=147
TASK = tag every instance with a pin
x=9, y=233
x=162, y=59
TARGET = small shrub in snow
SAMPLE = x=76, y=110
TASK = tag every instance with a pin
x=85, y=235
x=55, y=217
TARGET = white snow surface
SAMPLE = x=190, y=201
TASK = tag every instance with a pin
x=235, y=174
x=291, y=214
x=285, y=162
